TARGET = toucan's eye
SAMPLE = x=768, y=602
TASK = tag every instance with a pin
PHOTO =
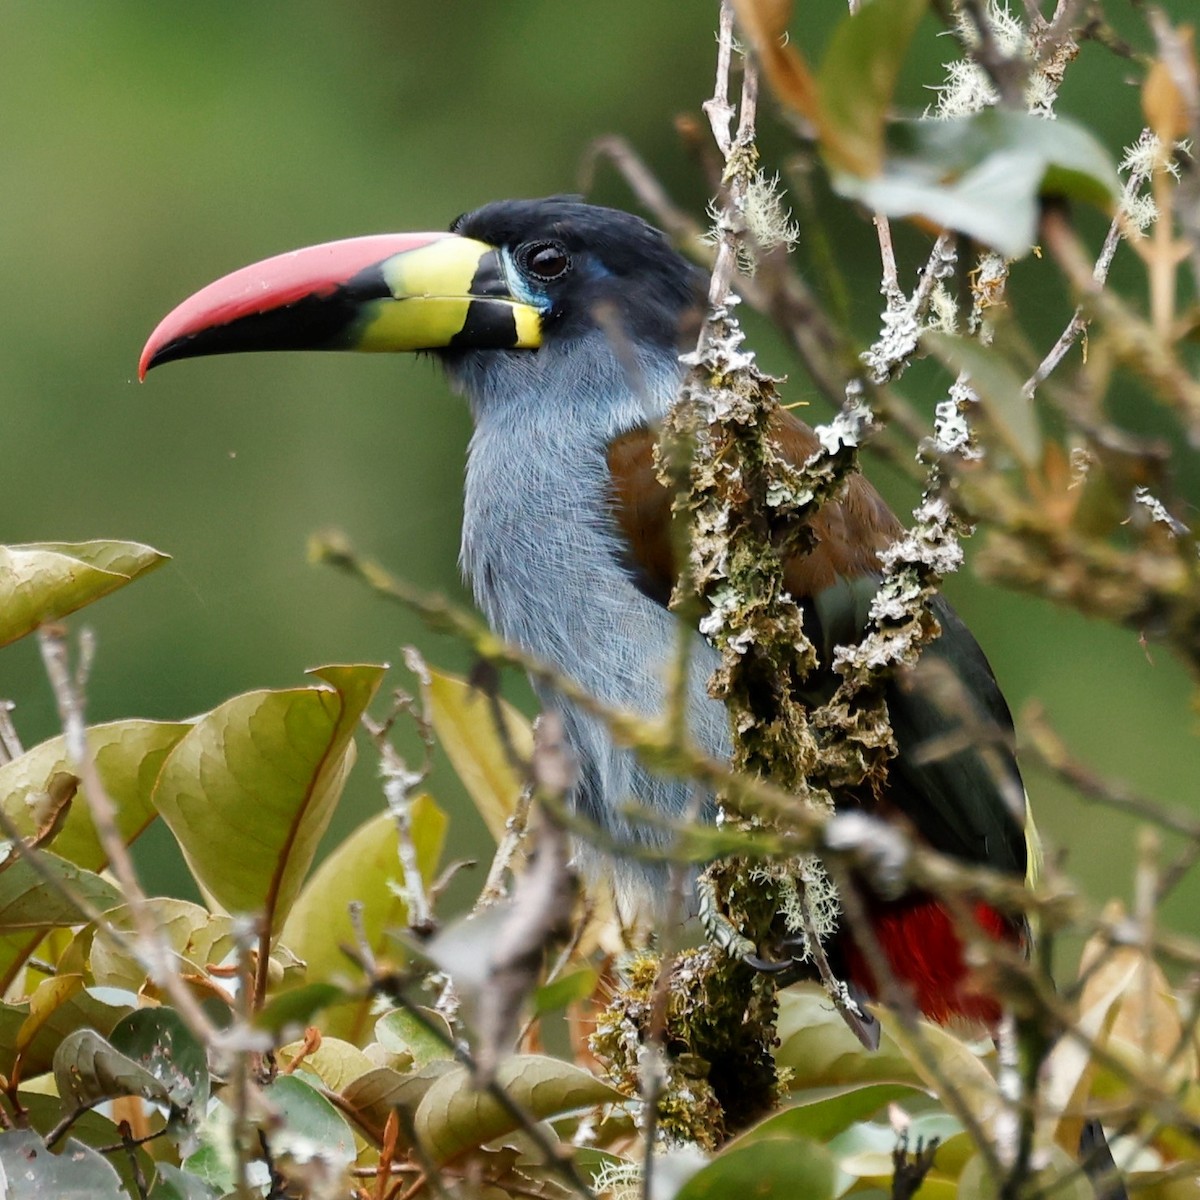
x=544, y=260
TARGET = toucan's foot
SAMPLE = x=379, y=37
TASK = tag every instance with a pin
x=1098, y=1165
x=791, y=958
x=766, y=966
x=852, y=1005
x=863, y=1023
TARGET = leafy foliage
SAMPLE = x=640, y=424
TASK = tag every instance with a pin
x=293, y=1035
x=985, y=175
x=331, y=1099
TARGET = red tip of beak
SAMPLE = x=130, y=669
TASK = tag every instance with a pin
x=275, y=283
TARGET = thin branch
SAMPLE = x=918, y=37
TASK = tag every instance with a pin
x=683, y=229
x=1006, y=72
x=59, y=1130
x=562, y=1165
x=151, y=949
x=1134, y=340
x=718, y=109
x=887, y=256
x=130, y=1144
x=1050, y=749
x=10, y=741
x=399, y=784
x=494, y=888
x=1079, y=322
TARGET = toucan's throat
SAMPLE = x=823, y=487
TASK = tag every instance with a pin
x=578, y=391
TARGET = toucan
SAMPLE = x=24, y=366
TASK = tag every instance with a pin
x=563, y=323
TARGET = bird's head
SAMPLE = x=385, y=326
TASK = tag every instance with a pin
x=515, y=287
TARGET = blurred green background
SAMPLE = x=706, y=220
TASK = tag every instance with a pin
x=148, y=148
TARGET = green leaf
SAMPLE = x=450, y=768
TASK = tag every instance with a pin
x=250, y=789
x=335, y=1062
x=175, y=1184
x=983, y=175
x=944, y=1061
x=822, y=1118
x=455, y=1115
x=308, y=1121
x=28, y=1171
x=127, y=755
x=567, y=989
x=92, y=1129
x=1009, y=411
x=819, y=1051
x=157, y=1040
x=372, y=1096
x=858, y=79
x=464, y=721
x=214, y=1161
x=295, y=1008
x=772, y=1169
x=43, y=581
x=29, y=901
x=401, y=1033
x=87, y=1068
x=953, y=1154
x=15, y=951
x=47, y=998
x=30, y=1032
x=864, y=1150
x=199, y=938
x=364, y=868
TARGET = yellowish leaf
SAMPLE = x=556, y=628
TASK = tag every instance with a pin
x=44, y=581
x=365, y=869
x=250, y=788
x=464, y=720
x=1162, y=102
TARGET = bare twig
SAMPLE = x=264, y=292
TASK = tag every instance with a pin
x=10, y=742
x=1079, y=323
x=887, y=255
x=495, y=888
x=399, y=784
x=151, y=948
x=1008, y=73
x=1054, y=754
x=910, y=1168
x=684, y=230
x=130, y=1144
x=64, y=1123
x=1134, y=340
x=243, y=1135
x=538, y=918
x=560, y=1164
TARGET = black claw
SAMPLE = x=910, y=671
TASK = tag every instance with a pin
x=766, y=967
x=796, y=947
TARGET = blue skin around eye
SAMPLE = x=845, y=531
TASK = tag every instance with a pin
x=520, y=287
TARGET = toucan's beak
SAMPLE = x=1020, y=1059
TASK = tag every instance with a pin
x=402, y=291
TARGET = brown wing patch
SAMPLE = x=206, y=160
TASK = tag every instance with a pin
x=849, y=532
x=642, y=507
